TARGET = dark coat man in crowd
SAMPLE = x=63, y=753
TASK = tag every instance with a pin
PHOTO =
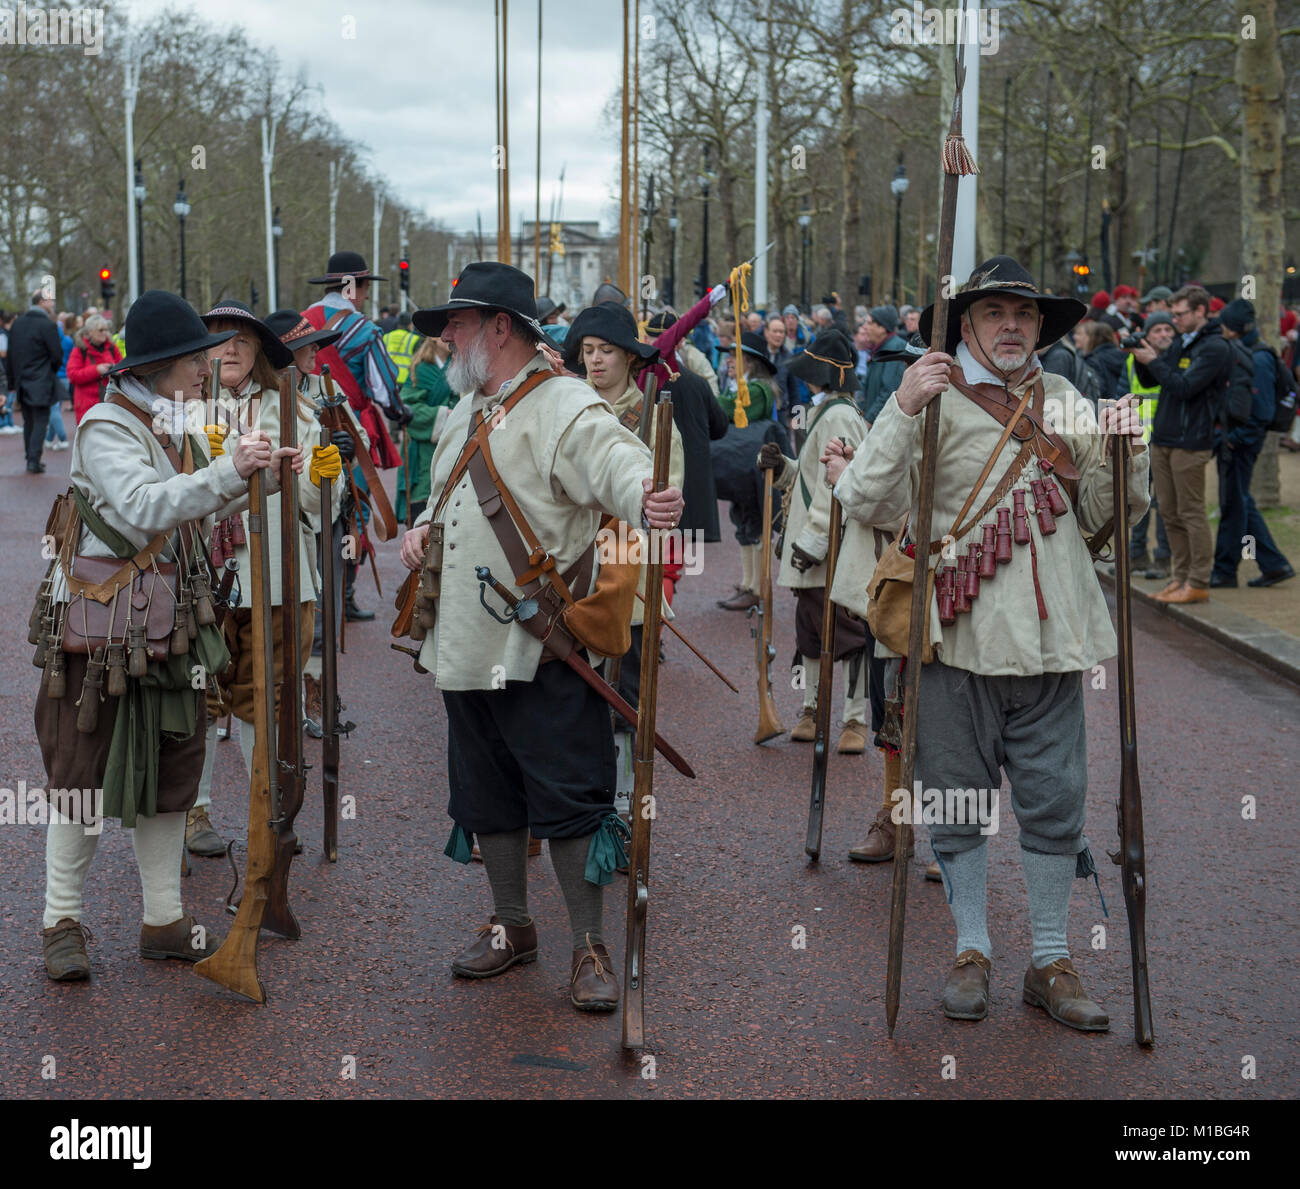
x=32, y=369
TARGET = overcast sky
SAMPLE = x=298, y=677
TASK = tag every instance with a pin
x=415, y=85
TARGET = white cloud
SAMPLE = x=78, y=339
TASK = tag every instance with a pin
x=415, y=86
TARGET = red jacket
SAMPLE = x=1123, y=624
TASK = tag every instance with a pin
x=83, y=374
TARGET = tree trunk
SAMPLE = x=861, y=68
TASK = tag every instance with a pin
x=1259, y=77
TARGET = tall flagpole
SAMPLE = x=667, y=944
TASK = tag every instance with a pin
x=625, y=180
x=268, y=156
x=760, y=168
x=963, y=239
x=537, y=193
x=131, y=77
x=503, y=234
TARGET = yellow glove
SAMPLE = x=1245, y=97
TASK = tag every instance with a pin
x=216, y=436
x=326, y=463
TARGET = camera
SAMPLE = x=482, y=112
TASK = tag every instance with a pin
x=1132, y=342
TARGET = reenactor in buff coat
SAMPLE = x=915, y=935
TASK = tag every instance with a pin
x=530, y=746
x=140, y=747
x=827, y=367
x=1004, y=692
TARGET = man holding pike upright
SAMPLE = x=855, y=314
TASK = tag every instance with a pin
x=530, y=746
x=1014, y=627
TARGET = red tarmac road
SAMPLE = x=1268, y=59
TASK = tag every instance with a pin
x=733, y=1009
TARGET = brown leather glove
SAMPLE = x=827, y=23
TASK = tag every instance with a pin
x=770, y=457
x=800, y=560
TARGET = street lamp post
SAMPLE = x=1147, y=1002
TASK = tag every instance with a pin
x=182, y=208
x=140, y=195
x=705, y=178
x=898, y=186
x=805, y=220
x=671, y=287
x=277, y=230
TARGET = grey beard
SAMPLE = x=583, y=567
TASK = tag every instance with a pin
x=468, y=371
x=1014, y=364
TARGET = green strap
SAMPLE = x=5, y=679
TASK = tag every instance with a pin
x=817, y=416
x=121, y=547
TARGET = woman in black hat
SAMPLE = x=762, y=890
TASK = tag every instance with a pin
x=137, y=741
x=252, y=357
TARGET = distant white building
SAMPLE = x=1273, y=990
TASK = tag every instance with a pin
x=569, y=275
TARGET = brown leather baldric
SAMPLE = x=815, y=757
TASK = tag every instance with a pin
x=1030, y=428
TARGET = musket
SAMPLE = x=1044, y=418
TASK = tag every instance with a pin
x=525, y=609
x=638, y=882
x=668, y=623
x=1132, y=852
x=769, y=722
x=956, y=162
x=279, y=916
x=329, y=662
x=234, y=965
x=825, y=691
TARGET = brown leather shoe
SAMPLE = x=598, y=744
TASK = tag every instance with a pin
x=853, y=739
x=1172, y=587
x=805, y=730
x=742, y=600
x=933, y=872
x=1057, y=990
x=879, y=846
x=1188, y=594
x=497, y=948
x=966, y=993
x=65, y=951
x=592, y=985
x=201, y=837
x=176, y=941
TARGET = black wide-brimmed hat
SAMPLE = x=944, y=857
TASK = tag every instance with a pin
x=609, y=321
x=607, y=291
x=295, y=332
x=277, y=354
x=546, y=308
x=827, y=362
x=1002, y=274
x=485, y=285
x=660, y=322
x=161, y=326
x=343, y=265
x=753, y=343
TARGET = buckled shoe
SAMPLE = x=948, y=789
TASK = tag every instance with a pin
x=592, y=984
x=65, y=951
x=966, y=993
x=176, y=941
x=497, y=947
x=805, y=730
x=1058, y=990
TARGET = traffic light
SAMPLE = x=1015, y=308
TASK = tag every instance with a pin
x=404, y=273
x=1082, y=271
x=106, y=286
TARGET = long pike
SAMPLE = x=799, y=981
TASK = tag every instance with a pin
x=956, y=162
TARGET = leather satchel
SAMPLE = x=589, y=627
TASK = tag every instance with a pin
x=148, y=598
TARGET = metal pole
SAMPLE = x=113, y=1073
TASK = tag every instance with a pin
x=1087, y=177
x=139, y=224
x=374, y=254
x=898, y=247
x=537, y=192
x=1006, y=119
x=704, y=246
x=1155, y=230
x=964, y=231
x=803, y=272
x=1042, y=231
x=182, y=257
x=760, y=169
x=268, y=156
x=1178, y=174
x=336, y=175
x=131, y=75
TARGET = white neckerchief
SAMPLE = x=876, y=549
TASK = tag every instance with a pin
x=816, y=398
x=977, y=373
x=168, y=415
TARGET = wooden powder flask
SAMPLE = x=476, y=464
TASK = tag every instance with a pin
x=1042, y=507
x=116, y=670
x=946, y=595
x=1019, y=517
x=988, y=551
x=974, y=558
x=56, y=681
x=88, y=703
x=961, y=600
x=1002, y=550
x=180, y=637
x=137, y=662
x=205, y=611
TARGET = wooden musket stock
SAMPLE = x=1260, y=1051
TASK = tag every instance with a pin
x=769, y=722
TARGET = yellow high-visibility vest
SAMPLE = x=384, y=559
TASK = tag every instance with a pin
x=1147, y=405
x=401, y=346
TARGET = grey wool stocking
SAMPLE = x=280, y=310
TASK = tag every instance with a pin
x=1048, y=879
x=506, y=858
x=586, y=901
x=967, y=874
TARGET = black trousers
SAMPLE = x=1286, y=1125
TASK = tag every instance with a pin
x=537, y=753
x=36, y=419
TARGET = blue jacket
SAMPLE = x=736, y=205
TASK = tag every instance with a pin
x=882, y=379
